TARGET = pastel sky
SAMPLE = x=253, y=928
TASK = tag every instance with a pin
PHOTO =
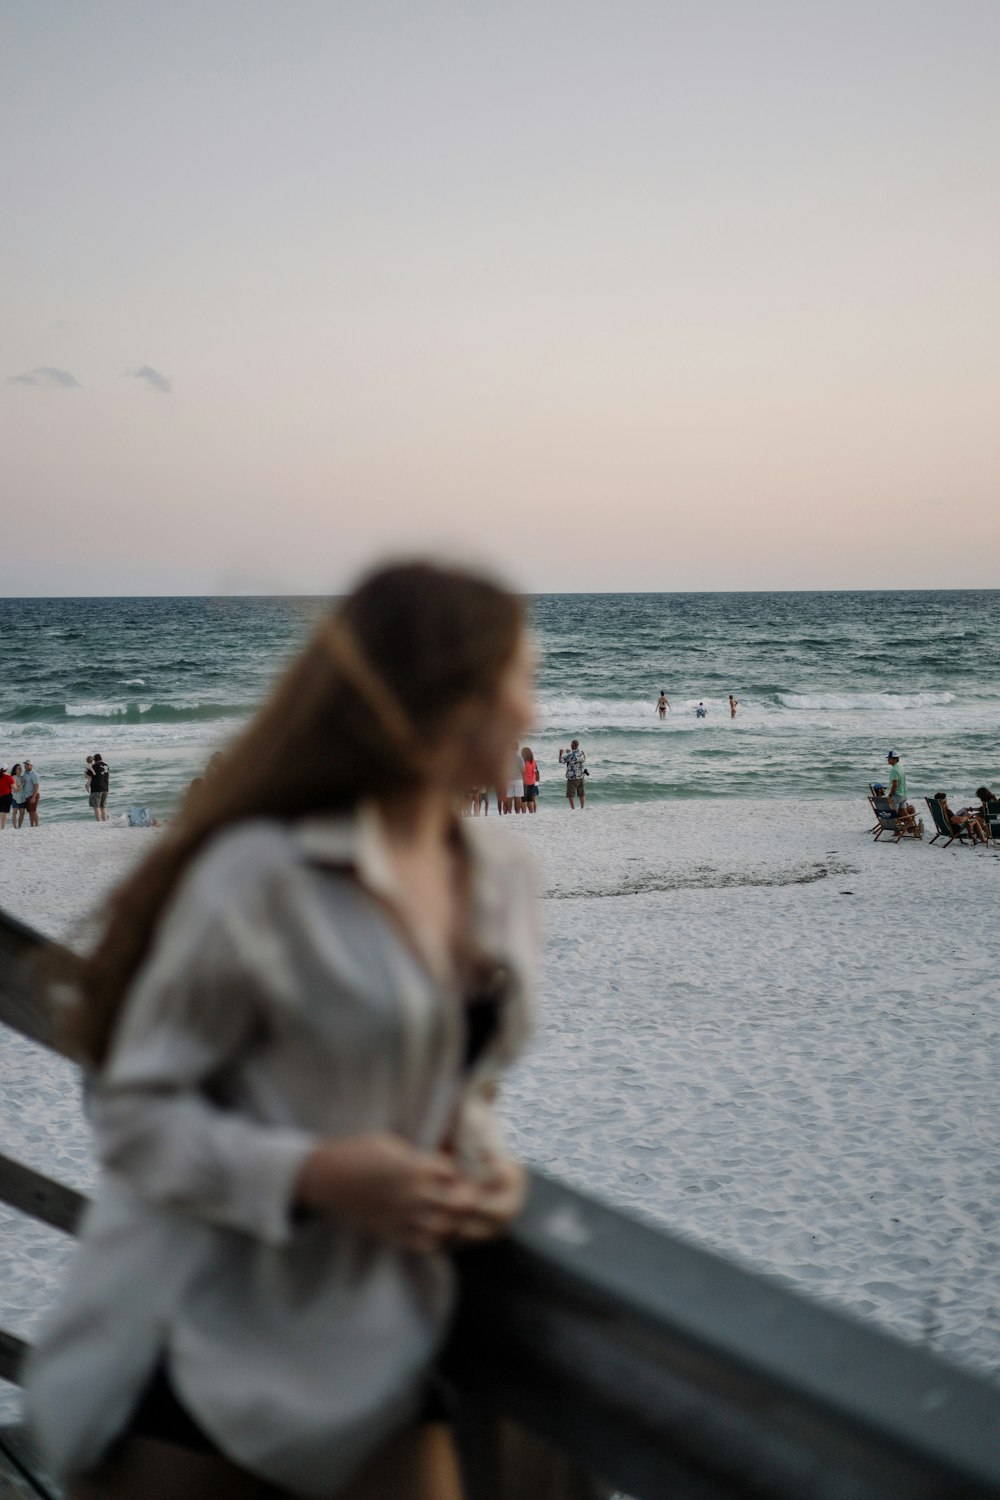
x=680, y=294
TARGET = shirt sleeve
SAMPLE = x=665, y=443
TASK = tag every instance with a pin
x=194, y=1011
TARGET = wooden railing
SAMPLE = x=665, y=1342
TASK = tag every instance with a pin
x=592, y=1352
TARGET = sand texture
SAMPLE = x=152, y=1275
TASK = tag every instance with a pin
x=759, y=1029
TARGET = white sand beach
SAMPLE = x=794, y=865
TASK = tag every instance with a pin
x=759, y=1029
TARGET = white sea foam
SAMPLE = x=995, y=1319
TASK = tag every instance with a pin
x=592, y=713
x=865, y=702
x=94, y=710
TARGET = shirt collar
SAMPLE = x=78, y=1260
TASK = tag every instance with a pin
x=352, y=840
x=356, y=841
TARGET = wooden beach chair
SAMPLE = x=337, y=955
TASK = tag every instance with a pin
x=944, y=827
x=899, y=824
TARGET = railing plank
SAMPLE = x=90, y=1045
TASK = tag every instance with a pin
x=12, y=1353
x=38, y=1196
x=22, y=1468
x=659, y=1362
x=14, y=1485
x=21, y=1006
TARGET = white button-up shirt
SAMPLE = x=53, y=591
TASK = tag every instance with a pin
x=281, y=1005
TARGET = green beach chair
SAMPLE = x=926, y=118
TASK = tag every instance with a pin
x=944, y=827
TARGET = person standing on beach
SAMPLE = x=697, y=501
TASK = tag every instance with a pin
x=514, y=796
x=530, y=779
x=30, y=794
x=662, y=704
x=100, y=780
x=295, y=1016
x=732, y=706
x=897, y=782
x=6, y=795
x=16, y=800
x=575, y=762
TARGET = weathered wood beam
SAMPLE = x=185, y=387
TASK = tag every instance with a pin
x=12, y=1354
x=21, y=1005
x=666, y=1369
x=38, y=1196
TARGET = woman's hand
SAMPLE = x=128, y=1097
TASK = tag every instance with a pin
x=417, y=1199
x=501, y=1194
x=389, y=1188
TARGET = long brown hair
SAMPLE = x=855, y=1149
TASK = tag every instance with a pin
x=356, y=715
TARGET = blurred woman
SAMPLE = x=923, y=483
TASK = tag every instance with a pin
x=296, y=1024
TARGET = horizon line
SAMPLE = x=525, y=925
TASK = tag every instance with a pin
x=525, y=593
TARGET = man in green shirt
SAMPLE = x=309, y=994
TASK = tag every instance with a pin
x=897, y=782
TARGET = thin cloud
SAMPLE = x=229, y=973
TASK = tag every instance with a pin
x=47, y=375
x=154, y=380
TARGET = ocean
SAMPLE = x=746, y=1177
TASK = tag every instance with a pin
x=826, y=684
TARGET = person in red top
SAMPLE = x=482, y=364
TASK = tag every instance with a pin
x=6, y=792
x=530, y=803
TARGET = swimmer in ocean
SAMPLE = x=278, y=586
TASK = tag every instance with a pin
x=662, y=704
x=700, y=711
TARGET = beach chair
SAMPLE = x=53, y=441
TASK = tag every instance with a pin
x=991, y=817
x=879, y=803
x=944, y=827
x=899, y=825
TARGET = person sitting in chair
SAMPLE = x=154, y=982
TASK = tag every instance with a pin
x=964, y=818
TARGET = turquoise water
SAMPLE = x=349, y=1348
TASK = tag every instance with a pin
x=826, y=682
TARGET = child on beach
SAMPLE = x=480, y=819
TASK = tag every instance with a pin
x=295, y=1023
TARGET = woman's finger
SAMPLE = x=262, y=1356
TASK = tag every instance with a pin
x=457, y=1197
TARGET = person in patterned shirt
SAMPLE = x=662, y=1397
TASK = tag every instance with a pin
x=575, y=762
